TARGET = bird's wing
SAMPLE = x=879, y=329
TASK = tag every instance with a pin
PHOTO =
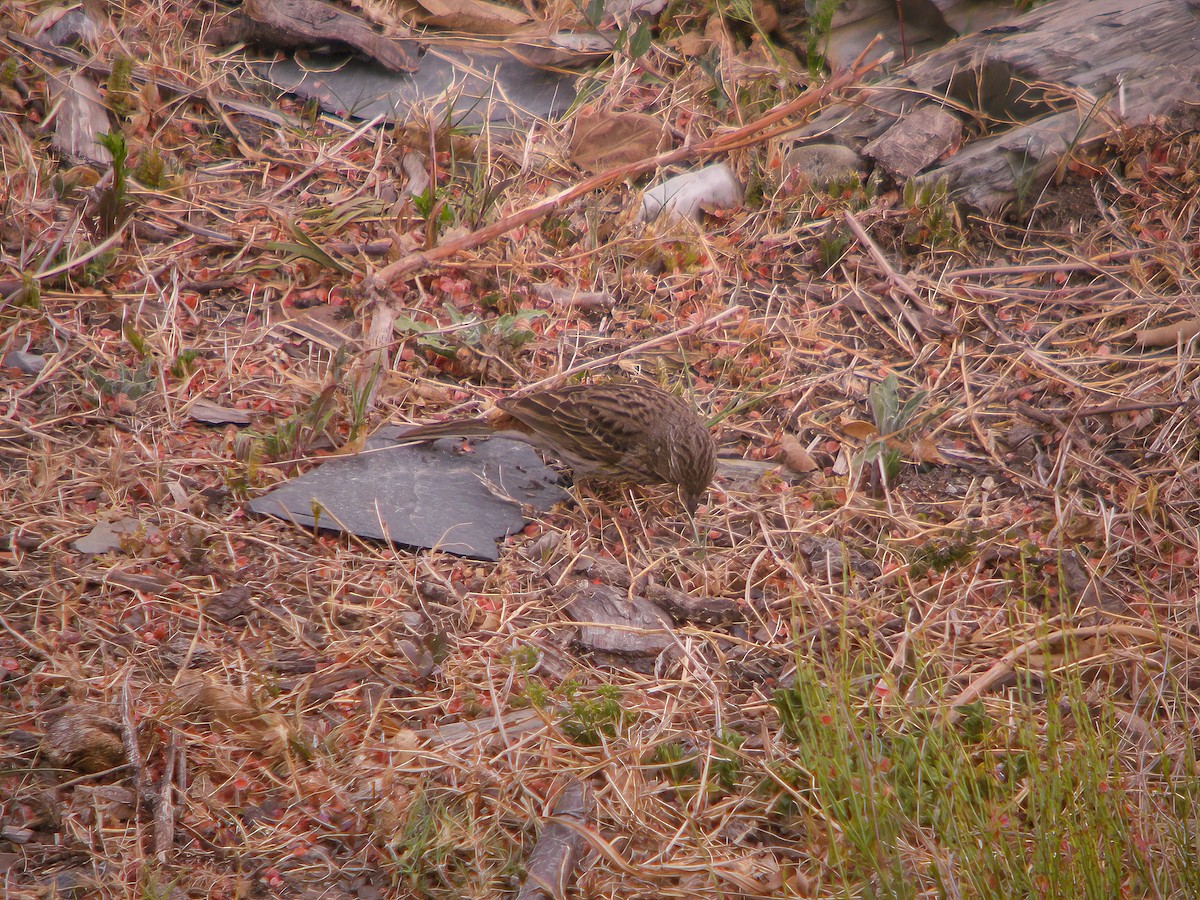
x=592, y=429
x=586, y=433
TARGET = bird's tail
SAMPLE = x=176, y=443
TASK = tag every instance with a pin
x=449, y=428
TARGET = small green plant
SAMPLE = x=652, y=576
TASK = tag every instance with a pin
x=95, y=270
x=29, y=295
x=536, y=695
x=592, y=720
x=118, y=92
x=134, y=339
x=847, y=186
x=727, y=767
x=502, y=334
x=431, y=204
x=830, y=249
x=524, y=658
x=152, y=170
x=112, y=209
x=820, y=22
x=895, y=422
x=480, y=195
x=1041, y=802
x=932, y=220
x=939, y=557
x=184, y=363
x=310, y=112
x=294, y=436
x=132, y=383
x=151, y=885
x=361, y=387
x=67, y=183
x=634, y=41
x=438, y=845
x=676, y=761
x=711, y=66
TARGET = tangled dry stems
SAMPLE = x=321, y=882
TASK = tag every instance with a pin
x=373, y=718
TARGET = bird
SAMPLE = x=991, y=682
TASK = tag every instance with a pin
x=621, y=431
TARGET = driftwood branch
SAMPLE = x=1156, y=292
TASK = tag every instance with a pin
x=754, y=132
x=559, y=846
x=304, y=24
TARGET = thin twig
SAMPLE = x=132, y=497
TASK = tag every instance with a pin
x=559, y=377
x=897, y=280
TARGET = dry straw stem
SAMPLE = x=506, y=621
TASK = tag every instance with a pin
x=899, y=281
x=1181, y=644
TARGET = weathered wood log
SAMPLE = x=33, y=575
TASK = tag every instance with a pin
x=306, y=24
x=560, y=846
x=609, y=622
x=1066, y=73
x=679, y=605
x=80, y=116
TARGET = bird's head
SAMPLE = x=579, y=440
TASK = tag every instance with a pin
x=692, y=464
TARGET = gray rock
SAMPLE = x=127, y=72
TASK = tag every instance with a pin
x=433, y=496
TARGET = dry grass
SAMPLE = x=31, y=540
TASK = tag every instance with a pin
x=997, y=698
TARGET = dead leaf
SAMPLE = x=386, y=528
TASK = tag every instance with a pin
x=473, y=16
x=1168, y=335
x=692, y=43
x=405, y=747
x=603, y=139
x=927, y=451
x=82, y=739
x=794, y=456
x=855, y=428
x=209, y=701
x=107, y=803
x=211, y=413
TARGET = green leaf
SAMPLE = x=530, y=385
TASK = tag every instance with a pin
x=640, y=42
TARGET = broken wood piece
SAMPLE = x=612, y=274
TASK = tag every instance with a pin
x=679, y=605
x=164, y=809
x=573, y=297
x=753, y=133
x=486, y=733
x=610, y=622
x=211, y=413
x=1168, y=335
x=560, y=845
x=922, y=315
x=80, y=115
x=306, y=24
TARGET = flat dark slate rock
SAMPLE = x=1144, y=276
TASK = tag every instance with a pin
x=497, y=89
x=430, y=495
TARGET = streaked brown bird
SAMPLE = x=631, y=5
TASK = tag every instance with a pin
x=619, y=431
